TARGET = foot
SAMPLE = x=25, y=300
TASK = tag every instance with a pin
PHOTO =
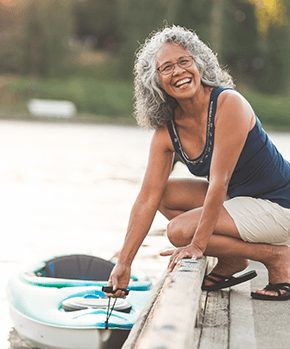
x=225, y=282
x=282, y=290
x=278, y=269
x=226, y=267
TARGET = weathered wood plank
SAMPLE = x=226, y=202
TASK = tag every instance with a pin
x=227, y=320
x=215, y=325
x=214, y=317
x=171, y=321
x=141, y=321
x=242, y=327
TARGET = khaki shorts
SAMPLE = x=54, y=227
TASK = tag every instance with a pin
x=259, y=220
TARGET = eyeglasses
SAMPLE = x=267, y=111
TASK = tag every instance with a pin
x=168, y=68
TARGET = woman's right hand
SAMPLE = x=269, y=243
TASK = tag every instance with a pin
x=119, y=278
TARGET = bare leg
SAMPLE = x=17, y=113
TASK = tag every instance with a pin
x=179, y=231
x=182, y=195
x=276, y=258
x=182, y=204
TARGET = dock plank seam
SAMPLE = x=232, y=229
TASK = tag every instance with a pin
x=170, y=321
x=214, y=325
x=227, y=320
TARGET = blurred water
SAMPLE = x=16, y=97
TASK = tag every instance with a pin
x=68, y=188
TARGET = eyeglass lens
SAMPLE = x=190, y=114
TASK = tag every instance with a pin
x=183, y=62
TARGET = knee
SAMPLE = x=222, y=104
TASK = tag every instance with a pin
x=176, y=233
x=172, y=232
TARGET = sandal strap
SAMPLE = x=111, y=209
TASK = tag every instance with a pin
x=218, y=276
x=278, y=287
x=215, y=281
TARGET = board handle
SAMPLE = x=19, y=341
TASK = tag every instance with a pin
x=109, y=289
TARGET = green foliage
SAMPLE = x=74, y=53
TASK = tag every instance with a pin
x=137, y=20
x=12, y=56
x=114, y=98
x=49, y=25
x=91, y=95
x=260, y=61
x=230, y=28
x=195, y=15
x=240, y=38
x=98, y=19
x=12, y=37
x=36, y=37
x=273, y=111
x=275, y=73
x=140, y=18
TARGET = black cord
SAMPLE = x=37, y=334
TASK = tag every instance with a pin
x=109, y=313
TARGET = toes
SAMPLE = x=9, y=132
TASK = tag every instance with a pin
x=269, y=293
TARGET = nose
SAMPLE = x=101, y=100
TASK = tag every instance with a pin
x=177, y=69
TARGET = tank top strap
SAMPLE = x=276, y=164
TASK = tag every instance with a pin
x=213, y=98
x=210, y=127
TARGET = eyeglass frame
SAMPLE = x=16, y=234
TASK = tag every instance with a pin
x=173, y=65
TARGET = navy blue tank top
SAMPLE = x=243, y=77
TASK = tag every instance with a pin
x=261, y=171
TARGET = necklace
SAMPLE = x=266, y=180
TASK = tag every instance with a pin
x=208, y=143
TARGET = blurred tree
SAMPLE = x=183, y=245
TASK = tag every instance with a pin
x=217, y=26
x=253, y=39
x=197, y=15
x=275, y=72
x=11, y=39
x=137, y=20
x=49, y=25
x=37, y=37
x=269, y=13
x=240, y=41
x=274, y=62
x=98, y=19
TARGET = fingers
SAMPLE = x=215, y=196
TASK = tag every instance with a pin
x=176, y=257
x=119, y=293
x=166, y=253
x=119, y=280
x=171, y=253
x=116, y=293
x=113, y=282
x=118, y=285
x=181, y=253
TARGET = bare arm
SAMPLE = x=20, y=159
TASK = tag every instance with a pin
x=234, y=120
x=145, y=206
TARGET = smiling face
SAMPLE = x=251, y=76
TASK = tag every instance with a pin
x=182, y=83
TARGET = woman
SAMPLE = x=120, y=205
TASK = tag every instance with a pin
x=242, y=210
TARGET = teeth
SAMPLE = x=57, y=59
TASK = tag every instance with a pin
x=181, y=82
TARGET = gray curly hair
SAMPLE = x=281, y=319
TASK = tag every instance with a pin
x=153, y=106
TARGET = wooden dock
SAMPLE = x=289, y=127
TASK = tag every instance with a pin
x=168, y=319
x=178, y=315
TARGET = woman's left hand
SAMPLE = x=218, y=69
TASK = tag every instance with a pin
x=189, y=251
